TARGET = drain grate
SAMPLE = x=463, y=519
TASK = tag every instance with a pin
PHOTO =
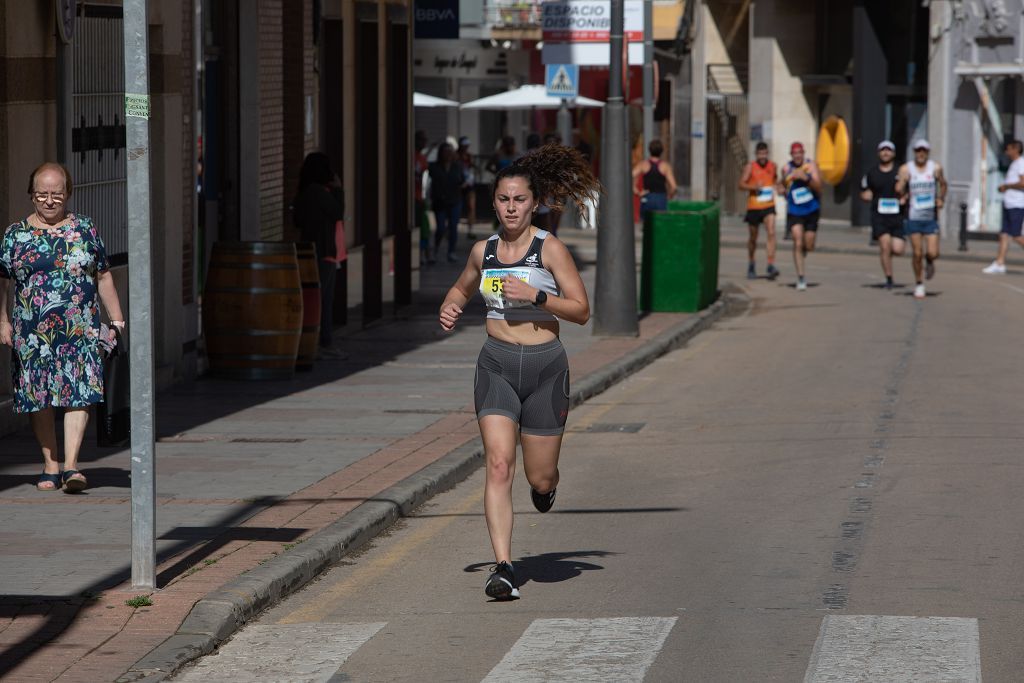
x=265, y=439
x=620, y=427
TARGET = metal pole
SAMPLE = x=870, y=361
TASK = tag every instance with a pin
x=963, y=227
x=140, y=294
x=565, y=123
x=615, y=311
x=648, y=72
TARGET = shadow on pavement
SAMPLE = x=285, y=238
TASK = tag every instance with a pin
x=549, y=567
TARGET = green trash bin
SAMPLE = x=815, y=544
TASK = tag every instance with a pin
x=679, y=271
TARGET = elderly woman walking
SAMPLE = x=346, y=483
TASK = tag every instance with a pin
x=58, y=264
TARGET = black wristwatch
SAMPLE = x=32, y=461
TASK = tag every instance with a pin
x=542, y=296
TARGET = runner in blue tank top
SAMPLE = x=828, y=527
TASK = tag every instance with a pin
x=801, y=183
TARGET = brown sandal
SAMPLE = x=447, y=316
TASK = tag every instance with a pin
x=73, y=483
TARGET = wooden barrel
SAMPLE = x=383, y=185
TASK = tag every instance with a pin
x=252, y=310
x=310, y=277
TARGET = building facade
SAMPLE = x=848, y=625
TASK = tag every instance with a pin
x=241, y=91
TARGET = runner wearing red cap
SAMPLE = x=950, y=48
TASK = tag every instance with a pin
x=801, y=182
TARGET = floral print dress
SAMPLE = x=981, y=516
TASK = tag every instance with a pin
x=56, y=360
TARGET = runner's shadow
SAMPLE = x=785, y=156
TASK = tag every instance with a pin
x=792, y=285
x=549, y=567
x=927, y=294
x=881, y=285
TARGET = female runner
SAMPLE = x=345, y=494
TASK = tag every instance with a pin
x=528, y=280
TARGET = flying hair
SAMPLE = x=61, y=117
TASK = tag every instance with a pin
x=556, y=174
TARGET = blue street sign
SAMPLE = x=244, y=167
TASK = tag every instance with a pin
x=562, y=80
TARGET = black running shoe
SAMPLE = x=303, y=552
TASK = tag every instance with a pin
x=501, y=584
x=542, y=501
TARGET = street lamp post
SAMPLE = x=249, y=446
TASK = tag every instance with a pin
x=615, y=311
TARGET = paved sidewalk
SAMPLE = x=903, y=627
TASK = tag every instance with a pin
x=248, y=471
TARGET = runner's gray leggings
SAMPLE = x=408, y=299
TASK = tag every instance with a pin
x=527, y=384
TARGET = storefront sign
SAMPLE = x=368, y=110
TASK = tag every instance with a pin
x=436, y=19
x=588, y=21
x=458, y=60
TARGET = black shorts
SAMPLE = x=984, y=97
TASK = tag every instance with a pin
x=1013, y=221
x=755, y=217
x=809, y=222
x=887, y=225
x=527, y=384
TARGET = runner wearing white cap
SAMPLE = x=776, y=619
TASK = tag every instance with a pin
x=922, y=185
x=878, y=186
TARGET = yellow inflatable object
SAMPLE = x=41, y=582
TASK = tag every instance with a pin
x=833, y=153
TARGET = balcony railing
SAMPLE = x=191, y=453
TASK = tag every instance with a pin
x=513, y=16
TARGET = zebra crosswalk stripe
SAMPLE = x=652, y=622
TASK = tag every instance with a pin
x=899, y=649
x=596, y=650
x=282, y=653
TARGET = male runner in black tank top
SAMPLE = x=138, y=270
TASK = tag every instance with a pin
x=878, y=186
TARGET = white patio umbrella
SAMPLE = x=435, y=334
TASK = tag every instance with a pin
x=528, y=97
x=421, y=100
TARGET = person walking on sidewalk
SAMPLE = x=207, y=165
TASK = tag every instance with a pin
x=924, y=188
x=659, y=182
x=446, y=180
x=878, y=186
x=465, y=158
x=1013, y=207
x=802, y=185
x=759, y=179
x=529, y=281
x=59, y=266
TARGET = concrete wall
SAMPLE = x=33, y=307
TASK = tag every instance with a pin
x=782, y=47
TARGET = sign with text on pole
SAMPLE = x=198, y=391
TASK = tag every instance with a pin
x=562, y=80
x=578, y=31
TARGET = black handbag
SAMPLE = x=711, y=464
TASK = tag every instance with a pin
x=113, y=415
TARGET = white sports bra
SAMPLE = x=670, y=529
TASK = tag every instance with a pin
x=529, y=269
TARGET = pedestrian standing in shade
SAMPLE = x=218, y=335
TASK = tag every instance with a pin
x=801, y=181
x=923, y=186
x=1013, y=207
x=446, y=180
x=318, y=211
x=878, y=186
x=759, y=179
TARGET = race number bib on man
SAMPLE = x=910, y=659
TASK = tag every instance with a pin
x=765, y=195
x=924, y=201
x=801, y=195
x=888, y=206
x=493, y=291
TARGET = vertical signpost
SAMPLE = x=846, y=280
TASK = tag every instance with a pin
x=140, y=295
x=648, y=72
x=615, y=310
x=563, y=80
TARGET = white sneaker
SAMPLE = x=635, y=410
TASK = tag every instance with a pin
x=995, y=268
x=919, y=292
x=801, y=285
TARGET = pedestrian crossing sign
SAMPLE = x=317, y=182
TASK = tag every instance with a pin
x=563, y=80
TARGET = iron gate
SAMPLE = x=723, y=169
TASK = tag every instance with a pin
x=98, y=164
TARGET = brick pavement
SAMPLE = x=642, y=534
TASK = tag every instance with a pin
x=244, y=472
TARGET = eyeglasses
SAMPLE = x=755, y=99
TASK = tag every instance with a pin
x=55, y=197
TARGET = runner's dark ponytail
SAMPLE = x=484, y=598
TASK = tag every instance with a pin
x=556, y=174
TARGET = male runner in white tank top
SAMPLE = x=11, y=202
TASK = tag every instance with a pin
x=923, y=185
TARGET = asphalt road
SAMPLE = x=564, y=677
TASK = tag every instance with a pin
x=825, y=488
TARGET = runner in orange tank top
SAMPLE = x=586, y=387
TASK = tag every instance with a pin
x=759, y=179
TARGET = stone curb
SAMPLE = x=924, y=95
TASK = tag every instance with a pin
x=223, y=611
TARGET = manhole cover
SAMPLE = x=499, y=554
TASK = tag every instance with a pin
x=624, y=427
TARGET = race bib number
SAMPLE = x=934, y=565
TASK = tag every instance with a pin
x=801, y=195
x=765, y=195
x=493, y=290
x=888, y=206
x=924, y=201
